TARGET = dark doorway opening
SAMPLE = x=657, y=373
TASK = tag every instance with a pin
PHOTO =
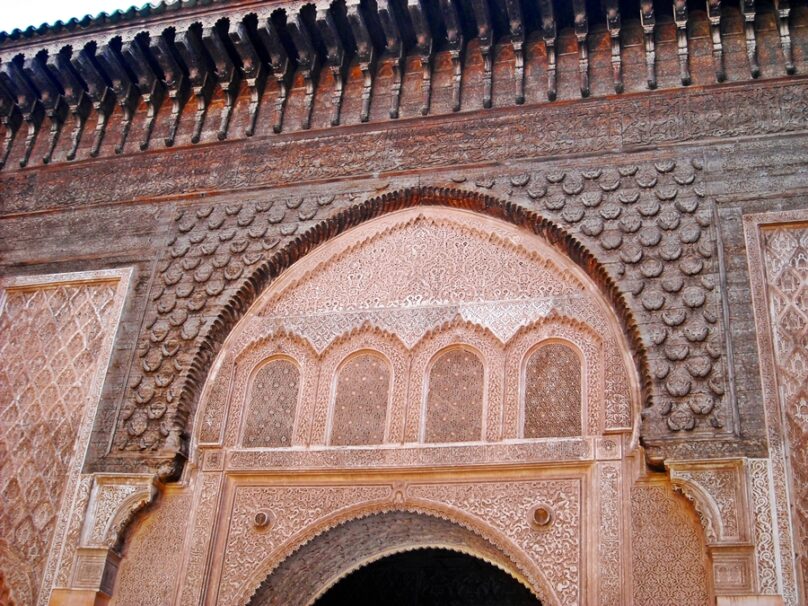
x=428, y=577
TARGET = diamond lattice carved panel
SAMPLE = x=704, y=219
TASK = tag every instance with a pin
x=55, y=338
x=785, y=251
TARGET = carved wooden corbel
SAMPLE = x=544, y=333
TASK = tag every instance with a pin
x=517, y=27
x=549, y=34
x=423, y=47
x=78, y=102
x=714, y=16
x=253, y=68
x=282, y=69
x=102, y=96
x=485, y=36
x=365, y=53
x=783, y=8
x=648, y=21
x=581, y=36
x=227, y=74
x=29, y=104
x=749, y=14
x=614, y=24
x=126, y=91
x=680, y=16
x=55, y=107
x=394, y=52
x=149, y=82
x=10, y=115
x=175, y=79
x=200, y=74
x=454, y=40
x=308, y=62
x=335, y=58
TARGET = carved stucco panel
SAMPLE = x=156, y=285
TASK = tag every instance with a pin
x=439, y=295
x=205, y=503
x=508, y=506
x=290, y=510
x=718, y=491
x=786, y=258
x=669, y=561
x=611, y=535
x=586, y=340
x=149, y=572
x=283, y=346
x=424, y=354
x=56, y=335
x=73, y=535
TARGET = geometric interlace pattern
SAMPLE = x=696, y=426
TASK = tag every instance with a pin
x=50, y=338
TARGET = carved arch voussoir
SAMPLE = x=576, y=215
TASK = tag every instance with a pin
x=179, y=397
x=511, y=557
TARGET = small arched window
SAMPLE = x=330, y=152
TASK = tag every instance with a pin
x=552, y=395
x=360, y=401
x=273, y=401
x=454, y=411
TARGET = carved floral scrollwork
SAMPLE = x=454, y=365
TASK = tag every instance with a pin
x=717, y=491
x=114, y=500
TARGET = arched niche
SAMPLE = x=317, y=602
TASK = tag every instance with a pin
x=361, y=399
x=424, y=279
x=455, y=396
x=272, y=404
x=552, y=391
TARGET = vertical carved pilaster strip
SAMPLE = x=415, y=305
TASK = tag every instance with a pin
x=611, y=533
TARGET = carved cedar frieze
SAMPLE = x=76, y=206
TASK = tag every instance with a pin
x=612, y=125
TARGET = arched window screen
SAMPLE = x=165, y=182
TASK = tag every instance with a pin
x=552, y=393
x=455, y=397
x=271, y=409
x=360, y=404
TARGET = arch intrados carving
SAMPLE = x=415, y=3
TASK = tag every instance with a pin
x=265, y=273
x=513, y=560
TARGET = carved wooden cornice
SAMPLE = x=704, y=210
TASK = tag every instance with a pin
x=53, y=77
